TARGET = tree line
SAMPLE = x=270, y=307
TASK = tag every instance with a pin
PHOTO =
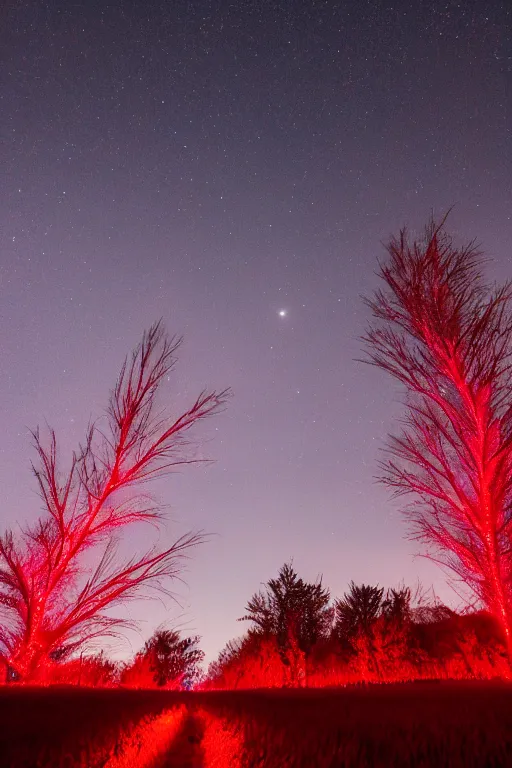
x=300, y=637
x=438, y=328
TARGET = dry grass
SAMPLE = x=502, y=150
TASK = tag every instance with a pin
x=465, y=724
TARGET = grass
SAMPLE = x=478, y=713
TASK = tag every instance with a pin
x=466, y=724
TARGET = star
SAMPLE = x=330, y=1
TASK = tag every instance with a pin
x=282, y=313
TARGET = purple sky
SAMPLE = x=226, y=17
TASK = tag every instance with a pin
x=213, y=164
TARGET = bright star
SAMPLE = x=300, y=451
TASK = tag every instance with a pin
x=282, y=313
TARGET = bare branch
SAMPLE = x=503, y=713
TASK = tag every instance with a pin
x=447, y=337
x=44, y=599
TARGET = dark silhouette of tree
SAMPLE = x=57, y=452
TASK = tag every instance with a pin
x=295, y=612
x=167, y=660
x=378, y=635
x=358, y=610
x=356, y=615
x=396, y=606
x=447, y=338
x=49, y=598
x=377, y=628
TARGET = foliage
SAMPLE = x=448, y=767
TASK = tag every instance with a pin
x=296, y=613
x=167, y=661
x=253, y=661
x=358, y=610
x=378, y=636
x=447, y=338
x=48, y=599
x=375, y=631
x=96, y=671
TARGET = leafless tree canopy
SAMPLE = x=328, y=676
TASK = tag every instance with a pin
x=447, y=337
x=47, y=599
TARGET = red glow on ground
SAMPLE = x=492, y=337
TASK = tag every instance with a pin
x=150, y=740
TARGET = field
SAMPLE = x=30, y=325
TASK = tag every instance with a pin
x=421, y=724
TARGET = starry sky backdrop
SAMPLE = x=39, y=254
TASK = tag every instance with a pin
x=216, y=163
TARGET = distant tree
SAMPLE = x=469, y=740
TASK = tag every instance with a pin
x=356, y=615
x=378, y=635
x=49, y=597
x=447, y=338
x=399, y=652
x=397, y=607
x=166, y=661
x=376, y=628
x=358, y=610
x=295, y=612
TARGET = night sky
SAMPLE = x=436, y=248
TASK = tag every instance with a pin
x=234, y=168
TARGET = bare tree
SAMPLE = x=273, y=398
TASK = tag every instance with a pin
x=48, y=601
x=443, y=333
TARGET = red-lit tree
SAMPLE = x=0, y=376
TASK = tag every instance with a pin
x=48, y=599
x=447, y=337
x=296, y=613
x=167, y=660
x=374, y=629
